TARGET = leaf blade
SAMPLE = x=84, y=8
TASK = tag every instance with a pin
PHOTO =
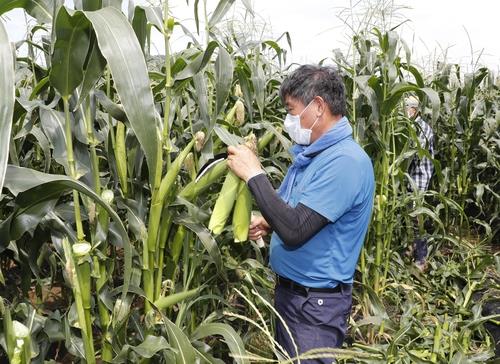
x=120, y=47
x=7, y=90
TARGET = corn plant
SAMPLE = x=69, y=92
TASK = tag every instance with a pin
x=377, y=75
x=131, y=239
x=113, y=251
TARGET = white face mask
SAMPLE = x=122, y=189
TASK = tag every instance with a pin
x=298, y=134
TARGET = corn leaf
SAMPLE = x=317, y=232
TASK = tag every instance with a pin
x=198, y=63
x=222, y=8
x=6, y=100
x=232, y=339
x=39, y=9
x=206, y=239
x=140, y=25
x=29, y=186
x=70, y=51
x=92, y=69
x=226, y=137
x=185, y=353
x=149, y=347
x=53, y=126
x=259, y=86
x=224, y=77
x=89, y=5
x=120, y=47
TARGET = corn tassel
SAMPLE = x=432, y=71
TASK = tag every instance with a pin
x=224, y=203
x=242, y=213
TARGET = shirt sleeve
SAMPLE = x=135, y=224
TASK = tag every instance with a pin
x=294, y=225
x=334, y=188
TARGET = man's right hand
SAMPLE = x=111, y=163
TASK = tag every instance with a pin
x=258, y=228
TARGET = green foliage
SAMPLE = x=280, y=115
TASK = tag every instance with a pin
x=101, y=143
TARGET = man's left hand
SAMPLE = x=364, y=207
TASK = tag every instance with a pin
x=243, y=162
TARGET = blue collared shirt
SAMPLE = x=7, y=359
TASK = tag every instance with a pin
x=338, y=184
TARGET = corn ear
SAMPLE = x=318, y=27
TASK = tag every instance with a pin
x=170, y=177
x=265, y=140
x=81, y=258
x=172, y=299
x=170, y=24
x=121, y=156
x=240, y=113
x=237, y=91
x=224, y=203
x=193, y=189
x=251, y=142
x=242, y=213
x=120, y=311
x=73, y=270
x=177, y=243
x=230, y=115
x=81, y=255
x=199, y=138
x=189, y=165
x=102, y=215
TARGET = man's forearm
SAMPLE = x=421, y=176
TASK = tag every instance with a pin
x=294, y=225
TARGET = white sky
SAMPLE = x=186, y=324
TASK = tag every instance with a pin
x=316, y=27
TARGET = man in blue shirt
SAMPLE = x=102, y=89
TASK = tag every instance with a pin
x=319, y=216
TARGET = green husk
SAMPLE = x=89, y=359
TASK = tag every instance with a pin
x=242, y=213
x=121, y=156
x=224, y=203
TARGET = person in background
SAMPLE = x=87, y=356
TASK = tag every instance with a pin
x=420, y=171
x=318, y=217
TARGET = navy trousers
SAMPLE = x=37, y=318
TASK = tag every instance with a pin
x=314, y=319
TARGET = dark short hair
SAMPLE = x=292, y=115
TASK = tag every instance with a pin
x=309, y=81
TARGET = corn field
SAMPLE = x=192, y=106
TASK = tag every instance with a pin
x=111, y=249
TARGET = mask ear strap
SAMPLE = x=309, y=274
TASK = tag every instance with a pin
x=309, y=104
x=312, y=126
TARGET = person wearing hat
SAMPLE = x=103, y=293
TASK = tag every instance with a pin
x=420, y=171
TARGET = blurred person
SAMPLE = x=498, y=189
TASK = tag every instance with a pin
x=420, y=171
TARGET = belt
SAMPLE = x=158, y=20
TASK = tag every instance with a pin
x=288, y=283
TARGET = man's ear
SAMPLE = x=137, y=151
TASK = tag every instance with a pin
x=321, y=105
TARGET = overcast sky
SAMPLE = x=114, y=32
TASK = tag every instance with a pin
x=435, y=27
